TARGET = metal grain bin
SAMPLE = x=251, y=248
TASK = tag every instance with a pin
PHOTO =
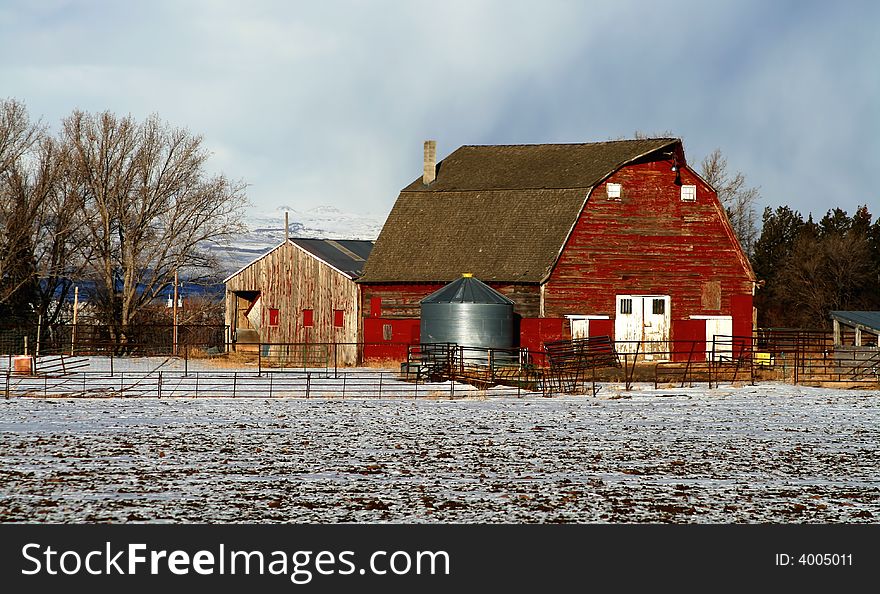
x=469, y=313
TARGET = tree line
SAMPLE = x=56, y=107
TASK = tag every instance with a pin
x=114, y=204
x=805, y=269
x=809, y=268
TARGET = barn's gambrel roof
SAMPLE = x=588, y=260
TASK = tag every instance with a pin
x=346, y=256
x=502, y=213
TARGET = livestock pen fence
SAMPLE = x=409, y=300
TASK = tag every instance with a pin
x=569, y=366
x=100, y=339
x=161, y=383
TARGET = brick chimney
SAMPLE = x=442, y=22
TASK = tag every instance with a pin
x=430, y=162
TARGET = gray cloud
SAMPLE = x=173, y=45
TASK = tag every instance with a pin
x=327, y=103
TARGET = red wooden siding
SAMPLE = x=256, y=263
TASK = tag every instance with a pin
x=534, y=332
x=650, y=242
x=602, y=328
x=690, y=340
x=379, y=344
x=401, y=300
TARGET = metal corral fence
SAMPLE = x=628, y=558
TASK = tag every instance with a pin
x=240, y=384
x=798, y=356
x=89, y=339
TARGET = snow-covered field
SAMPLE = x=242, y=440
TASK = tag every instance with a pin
x=766, y=453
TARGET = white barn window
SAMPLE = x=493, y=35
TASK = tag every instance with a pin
x=689, y=193
x=614, y=191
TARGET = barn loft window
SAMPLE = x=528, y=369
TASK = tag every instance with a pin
x=386, y=331
x=273, y=317
x=626, y=306
x=689, y=193
x=659, y=306
x=308, y=317
x=711, y=295
x=338, y=318
x=614, y=191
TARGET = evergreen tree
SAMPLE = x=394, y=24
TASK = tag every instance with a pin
x=837, y=221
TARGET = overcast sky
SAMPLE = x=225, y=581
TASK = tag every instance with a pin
x=328, y=103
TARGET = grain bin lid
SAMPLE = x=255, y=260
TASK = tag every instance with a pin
x=467, y=289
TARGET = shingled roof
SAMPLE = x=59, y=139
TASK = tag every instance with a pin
x=502, y=213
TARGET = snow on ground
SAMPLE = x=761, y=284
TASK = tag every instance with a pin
x=766, y=453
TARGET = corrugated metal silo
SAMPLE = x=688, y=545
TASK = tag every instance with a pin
x=469, y=313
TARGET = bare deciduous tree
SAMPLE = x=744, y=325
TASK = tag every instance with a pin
x=737, y=199
x=19, y=211
x=149, y=208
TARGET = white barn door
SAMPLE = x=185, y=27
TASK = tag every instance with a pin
x=645, y=319
x=580, y=328
x=719, y=330
x=580, y=324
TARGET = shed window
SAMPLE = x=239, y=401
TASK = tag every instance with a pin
x=689, y=193
x=273, y=317
x=626, y=306
x=386, y=331
x=308, y=317
x=338, y=318
x=659, y=307
x=614, y=191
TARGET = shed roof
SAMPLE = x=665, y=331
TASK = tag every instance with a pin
x=348, y=256
x=867, y=320
x=500, y=212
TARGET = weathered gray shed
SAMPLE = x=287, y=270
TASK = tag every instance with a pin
x=300, y=292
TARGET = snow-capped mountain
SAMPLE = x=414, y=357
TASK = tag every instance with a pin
x=266, y=230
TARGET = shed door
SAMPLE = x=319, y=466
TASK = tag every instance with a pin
x=254, y=314
x=719, y=330
x=642, y=318
x=580, y=328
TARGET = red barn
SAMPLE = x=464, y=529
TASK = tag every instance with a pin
x=620, y=238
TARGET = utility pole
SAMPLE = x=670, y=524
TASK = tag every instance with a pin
x=174, y=310
x=75, y=313
x=39, y=325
